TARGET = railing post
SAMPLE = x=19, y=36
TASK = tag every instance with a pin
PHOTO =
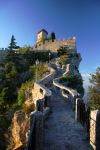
x=76, y=115
x=77, y=109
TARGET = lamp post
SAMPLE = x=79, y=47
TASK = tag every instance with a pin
x=37, y=62
x=49, y=56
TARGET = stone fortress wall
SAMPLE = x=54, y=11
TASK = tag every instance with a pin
x=54, y=46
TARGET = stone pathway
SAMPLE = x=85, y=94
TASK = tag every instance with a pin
x=62, y=132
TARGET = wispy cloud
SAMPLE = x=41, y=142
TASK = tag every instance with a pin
x=86, y=77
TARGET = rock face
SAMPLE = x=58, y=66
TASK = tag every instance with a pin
x=20, y=126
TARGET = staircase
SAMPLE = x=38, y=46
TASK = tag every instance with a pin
x=62, y=132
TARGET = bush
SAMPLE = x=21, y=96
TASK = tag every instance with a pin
x=74, y=82
x=3, y=121
x=21, y=97
x=63, y=50
x=64, y=59
x=16, y=106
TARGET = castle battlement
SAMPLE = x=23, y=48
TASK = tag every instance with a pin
x=48, y=44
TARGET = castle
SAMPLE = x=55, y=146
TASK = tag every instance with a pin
x=44, y=42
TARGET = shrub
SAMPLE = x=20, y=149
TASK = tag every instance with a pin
x=74, y=82
x=21, y=97
x=64, y=59
x=16, y=106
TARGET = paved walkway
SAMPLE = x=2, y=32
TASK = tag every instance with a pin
x=62, y=132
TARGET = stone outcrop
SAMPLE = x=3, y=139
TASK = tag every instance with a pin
x=20, y=126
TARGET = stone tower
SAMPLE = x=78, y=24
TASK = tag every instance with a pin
x=42, y=34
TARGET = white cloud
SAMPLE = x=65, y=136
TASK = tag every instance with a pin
x=86, y=83
x=86, y=78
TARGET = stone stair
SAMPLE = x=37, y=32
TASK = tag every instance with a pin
x=62, y=132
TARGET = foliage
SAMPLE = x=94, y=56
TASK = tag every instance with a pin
x=32, y=56
x=17, y=77
x=62, y=50
x=74, y=82
x=16, y=106
x=18, y=68
x=64, y=59
x=12, y=44
x=24, y=50
x=4, y=124
x=21, y=97
x=94, y=90
x=10, y=56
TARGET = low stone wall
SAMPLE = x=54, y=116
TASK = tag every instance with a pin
x=80, y=111
x=95, y=129
x=40, y=90
x=35, y=140
x=90, y=120
x=48, y=78
x=37, y=118
x=42, y=97
x=62, y=87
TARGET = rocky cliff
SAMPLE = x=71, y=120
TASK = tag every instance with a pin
x=20, y=126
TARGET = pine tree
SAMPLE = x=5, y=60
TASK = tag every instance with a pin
x=12, y=44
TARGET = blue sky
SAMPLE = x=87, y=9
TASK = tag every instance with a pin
x=67, y=18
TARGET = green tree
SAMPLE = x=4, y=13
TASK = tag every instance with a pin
x=94, y=90
x=74, y=82
x=12, y=44
x=21, y=97
x=53, y=37
x=4, y=95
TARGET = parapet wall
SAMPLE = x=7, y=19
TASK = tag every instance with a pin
x=40, y=90
x=54, y=46
x=41, y=96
